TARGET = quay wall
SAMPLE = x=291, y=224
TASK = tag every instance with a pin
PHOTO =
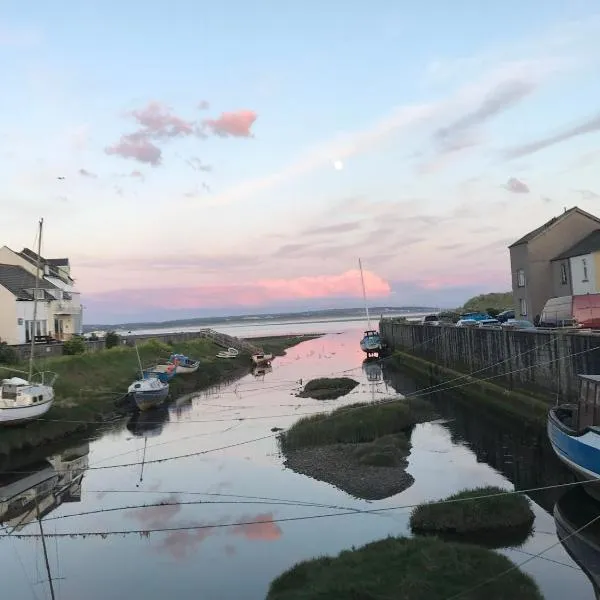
x=545, y=362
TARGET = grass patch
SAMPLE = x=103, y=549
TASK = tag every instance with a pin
x=468, y=516
x=411, y=569
x=386, y=451
x=328, y=388
x=88, y=385
x=357, y=423
x=277, y=345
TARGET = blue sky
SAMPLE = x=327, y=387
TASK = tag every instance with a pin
x=427, y=110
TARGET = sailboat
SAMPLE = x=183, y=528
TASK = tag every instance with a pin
x=371, y=342
x=25, y=399
x=148, y=392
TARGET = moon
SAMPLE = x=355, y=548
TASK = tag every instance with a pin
x=338, y=165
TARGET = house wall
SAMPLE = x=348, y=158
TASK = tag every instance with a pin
x=596, y=257
x=24, y=311
x=8, y=317
x=559, y=288
x=541, y=250
x=519, y=260
x=584, y=277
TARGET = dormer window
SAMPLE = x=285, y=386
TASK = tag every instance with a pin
x=38, y=294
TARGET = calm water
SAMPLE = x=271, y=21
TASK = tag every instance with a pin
x=247, y=482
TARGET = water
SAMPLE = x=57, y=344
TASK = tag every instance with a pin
x=239, y=478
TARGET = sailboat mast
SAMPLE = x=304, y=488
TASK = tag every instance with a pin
x=139, y=359
x=35, y=298
x=37, y=508
x=362, y=280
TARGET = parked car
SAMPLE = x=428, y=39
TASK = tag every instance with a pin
x=518, y=324
x=430, y=320
x=489, y=323
x=467, y=323
x=506, y=315
x=476, y=316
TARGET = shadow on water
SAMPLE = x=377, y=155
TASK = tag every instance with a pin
x=572, y=513
x=518, y=450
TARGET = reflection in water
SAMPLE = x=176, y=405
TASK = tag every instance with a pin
x=259, y=371
x=573, y=511
x=518, y=450
x=42, y=486
x=149, y=423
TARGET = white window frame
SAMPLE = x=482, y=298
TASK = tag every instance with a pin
x=523, y=306
x=521, y=281
x=38, y=294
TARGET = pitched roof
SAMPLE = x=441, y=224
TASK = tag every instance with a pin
x=19, y=281
x=58, y=262
x=52, y=263
x=533, y=234
x=590, y=243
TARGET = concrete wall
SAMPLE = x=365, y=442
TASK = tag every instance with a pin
x=540, y=361
x=42, y=350
x=519, y=260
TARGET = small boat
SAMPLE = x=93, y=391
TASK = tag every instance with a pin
x=149, y=392
x=371, y=342
x=262, y=359
x=183, y=364
x=229, y=353
x=573, y=431
x=261, y=370
x=164, y=372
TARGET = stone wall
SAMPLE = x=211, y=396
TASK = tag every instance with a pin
x=542, y=361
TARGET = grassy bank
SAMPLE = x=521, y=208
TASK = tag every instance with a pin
x=328, y=388
x=88, y=385
x=522, y=405
x=357, y=423
x=470, y=516
x=411, y=569
x=278, y=344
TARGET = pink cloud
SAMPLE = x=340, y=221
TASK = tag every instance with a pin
x=137, y=147
x=253, y=293
x=236, y=124
x=264, y=529
x=158, y=121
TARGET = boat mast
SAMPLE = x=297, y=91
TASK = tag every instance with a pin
x=37, y=509
x=35, y=298
x=362, y=279
x=139, y=359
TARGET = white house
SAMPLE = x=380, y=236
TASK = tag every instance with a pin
x=60, y=311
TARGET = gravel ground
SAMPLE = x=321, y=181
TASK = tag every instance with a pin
x=337, y=465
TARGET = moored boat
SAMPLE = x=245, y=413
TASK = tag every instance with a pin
x=262, y=359
x=164, y=372
x=149, y=392
x=183, y=364
x=371, y=342
x=574, y=433
x=229, y=353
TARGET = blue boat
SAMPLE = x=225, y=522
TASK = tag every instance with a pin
x=371, y=342
x=574, y=432
x=183, y=364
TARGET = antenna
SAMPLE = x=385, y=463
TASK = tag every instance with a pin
x=362, y=279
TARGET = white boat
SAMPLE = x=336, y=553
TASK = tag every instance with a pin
x=371, y=342
x=229, y=353
x=262, y=359
x=148, y=393
x=26, y=399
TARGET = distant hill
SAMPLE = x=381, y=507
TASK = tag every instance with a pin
x=336, y=313
x=498, y=301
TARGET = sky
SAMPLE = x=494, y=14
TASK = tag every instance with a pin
x=196, y=158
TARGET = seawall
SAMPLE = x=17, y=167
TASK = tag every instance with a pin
x=543, y=362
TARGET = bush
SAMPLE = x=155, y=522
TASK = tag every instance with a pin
x=327, y=388
x=76, y=345
x=357, y=423
x=411, y=569
x=8, y=356
x=469, y=515
x=112, y=339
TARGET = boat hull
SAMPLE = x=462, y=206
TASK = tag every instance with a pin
x=21, y=414
x=262, y=359
x=580, y=452
x=370, y=344
x=150, y=398
x=183, y=369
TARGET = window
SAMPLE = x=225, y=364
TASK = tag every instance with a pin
x=585, y=269
x=521, y=277
x=523, y=307
x=38, y=294
x=564, y=279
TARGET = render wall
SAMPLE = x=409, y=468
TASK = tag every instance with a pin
x=540, y=361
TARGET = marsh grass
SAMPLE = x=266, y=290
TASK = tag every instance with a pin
x=469, y=517
x=411, y=569
x=357, y=423
x=386, y=451
x=328, y=388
